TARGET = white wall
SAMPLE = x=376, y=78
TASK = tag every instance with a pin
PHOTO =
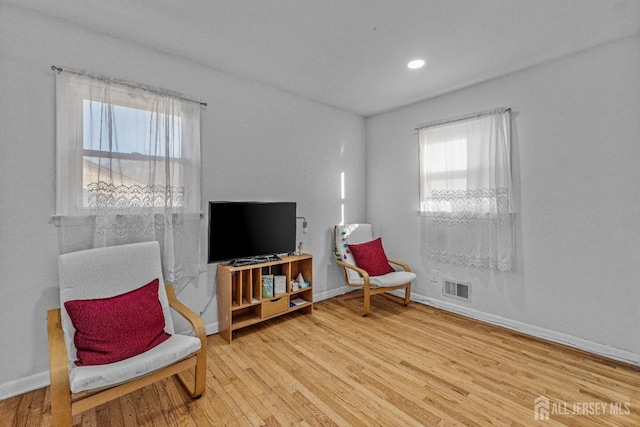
x=576, y=151
x=258, y=144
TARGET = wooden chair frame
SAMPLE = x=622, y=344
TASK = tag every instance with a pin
x=65, y=404
x=368, y=287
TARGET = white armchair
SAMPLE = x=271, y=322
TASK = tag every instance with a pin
x=103, y=289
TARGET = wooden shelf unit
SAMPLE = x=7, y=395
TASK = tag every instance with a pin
x=240, y=300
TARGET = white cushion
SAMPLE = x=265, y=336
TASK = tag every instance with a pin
x=389, y=279
x=176, y=348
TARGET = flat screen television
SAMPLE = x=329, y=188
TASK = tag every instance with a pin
x=246, y=232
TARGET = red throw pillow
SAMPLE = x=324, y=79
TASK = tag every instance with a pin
x=119, y=327
x=371, y=258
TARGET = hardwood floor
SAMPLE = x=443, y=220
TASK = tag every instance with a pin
x=400, y=366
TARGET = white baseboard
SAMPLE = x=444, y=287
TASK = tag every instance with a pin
x=211, y=328
x=24, y=385
x=535, y=331
x=333, y=293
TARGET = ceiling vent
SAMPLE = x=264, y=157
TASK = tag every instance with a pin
x=459, y=290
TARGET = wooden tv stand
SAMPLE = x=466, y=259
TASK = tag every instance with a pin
x=240, y=300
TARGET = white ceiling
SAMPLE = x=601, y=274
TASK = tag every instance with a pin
x=352, y=54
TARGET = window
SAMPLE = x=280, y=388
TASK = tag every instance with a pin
x=131, y=151
x=445, y=167
x=128, y=167
x=465, y=189
x=126, y=138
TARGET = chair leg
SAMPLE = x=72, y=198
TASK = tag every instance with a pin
x=367, y=301
x=61, y=409
x=195, y=386
x=407, y=294
x=200, y=373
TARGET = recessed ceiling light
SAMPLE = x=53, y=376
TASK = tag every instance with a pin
x=416, y=63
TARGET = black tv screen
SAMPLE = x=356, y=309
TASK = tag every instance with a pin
x=241, y=230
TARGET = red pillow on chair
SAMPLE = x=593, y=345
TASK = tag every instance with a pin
x=116, y=328
x=371, y=258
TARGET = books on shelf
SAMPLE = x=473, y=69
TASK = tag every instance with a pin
x=298, y=301
x=267, y=286
x=280, y=284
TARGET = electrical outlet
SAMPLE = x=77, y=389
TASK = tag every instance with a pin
x=434, y=276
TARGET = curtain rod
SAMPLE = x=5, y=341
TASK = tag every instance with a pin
x=126, y=83
x=499, y=110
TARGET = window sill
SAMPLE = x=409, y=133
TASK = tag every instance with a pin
x=56, y=219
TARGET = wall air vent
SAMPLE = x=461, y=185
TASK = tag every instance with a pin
x=460, y=290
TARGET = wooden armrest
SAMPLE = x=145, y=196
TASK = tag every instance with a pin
x=200, y=332
x=195, y=320
x=401, y=264
x=360, y=271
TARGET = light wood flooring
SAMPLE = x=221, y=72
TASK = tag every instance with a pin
x=400, y=366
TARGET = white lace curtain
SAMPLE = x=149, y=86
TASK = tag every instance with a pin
x=465, y=190
x=128, y=170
